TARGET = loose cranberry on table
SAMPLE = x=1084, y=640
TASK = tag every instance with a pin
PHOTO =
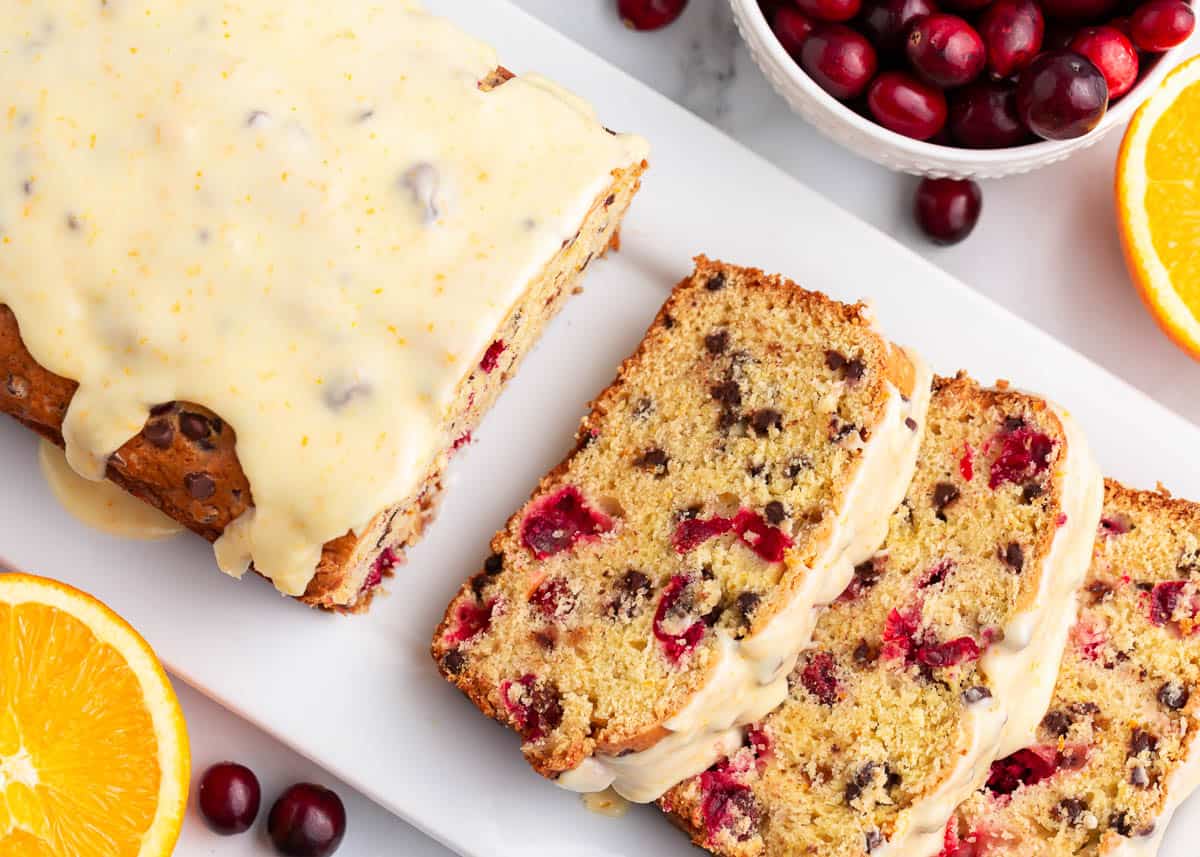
x=948, y=209
x=831, y=11
x=840, y=60
x=1161, y=24
x=886, y=22
x=908, y=106
x=229, y=798
x=650, y=14
x=1061, y=95
x=792, y=27
x=945, y=50
x=1012, y=31
x=984, y=116
x=307, y=821
x=1111, y=52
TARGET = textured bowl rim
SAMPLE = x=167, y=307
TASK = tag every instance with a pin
x=966, y=160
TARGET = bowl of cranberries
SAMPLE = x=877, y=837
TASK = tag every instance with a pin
x=965, y=88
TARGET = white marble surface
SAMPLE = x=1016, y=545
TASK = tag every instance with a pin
x=1046, y=248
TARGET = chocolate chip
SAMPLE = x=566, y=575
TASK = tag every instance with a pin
x=911, y=423
x=1031, y=492
x=834, y=360
x=546, y=638
x=200, y=485
x=747, y=603
x=867, y=574
x=1014, y=557
x=690, y=512
x=775, y=513
x=972, y=695
x=1173, y=695
x=1099, y=590
x=762, y=421
x=612, y=197
x=479, y=585
x=1141, y=741
x=1070, y=810
x=164, y=408
x=1013, y=423
x=944, y=493
x=654, y=460
x=668, y=320
x=862, y=778
x=453, y=661
x=494, y=564
x=872, y=839
x=632, y=589
x=1057, y=723
x=1119, y=821
x=546, y=703
x=854, y=371
x=194, y=426
x=16, y=386
x=865, y=654
x=716, y=343
x=716, y=282
x=727, y=393
x=797, y=466
x=159, y=433
x=713, y=616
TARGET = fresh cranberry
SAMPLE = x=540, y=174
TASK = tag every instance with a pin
x=558, y=521
x=1078, y=10
x=674, y=607
x=770, y=543
x=307, y=821
x=693, y=532
x=1161, y=24
x=946, y=50
x=791, y=27
x=819, y=678
x=983, y=115
x=727, y=805
x=966, y=464
x=760, y=741
x=1061, y=95
x=965, y=6
x=840, y=60
x=1025, y=767
x=900, y=633
x=830, y=10
x=1167, y=599
x=491, y=357
x=1110, y=51
x=650, y=14
x=536, y=707
x=948, y=209
x=553, y=598
x=886, y=22
x=470, y=619
x=1024, y=454
x=901, y=103
x=949, y=654
x=229, y=798
x=1013, y=31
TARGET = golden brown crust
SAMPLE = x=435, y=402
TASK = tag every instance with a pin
x=157, y=473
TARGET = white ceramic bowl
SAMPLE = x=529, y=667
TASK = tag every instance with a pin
x=898, y=152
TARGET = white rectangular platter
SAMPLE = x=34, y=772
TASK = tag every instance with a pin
x=361, y=695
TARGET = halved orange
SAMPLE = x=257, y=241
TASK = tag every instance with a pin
x=94, y=758
x=1158, y=204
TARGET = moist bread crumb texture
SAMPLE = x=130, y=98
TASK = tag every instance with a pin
x=702, y=481
x=877, y=714
x=1115, y=752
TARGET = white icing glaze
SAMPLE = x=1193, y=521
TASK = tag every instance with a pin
x=309, y=219
x=607, y=803
x=1021, y=669
x=749, y=678
x=102, y=505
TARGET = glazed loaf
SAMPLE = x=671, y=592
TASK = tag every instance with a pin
x=185, y=459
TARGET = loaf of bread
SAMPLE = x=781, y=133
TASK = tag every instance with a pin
x=185, y=460
x=653, y=594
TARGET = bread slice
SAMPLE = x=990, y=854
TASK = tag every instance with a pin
x=939, y=655
x=654, y=592
x=183, y=439
x=1117, y=752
